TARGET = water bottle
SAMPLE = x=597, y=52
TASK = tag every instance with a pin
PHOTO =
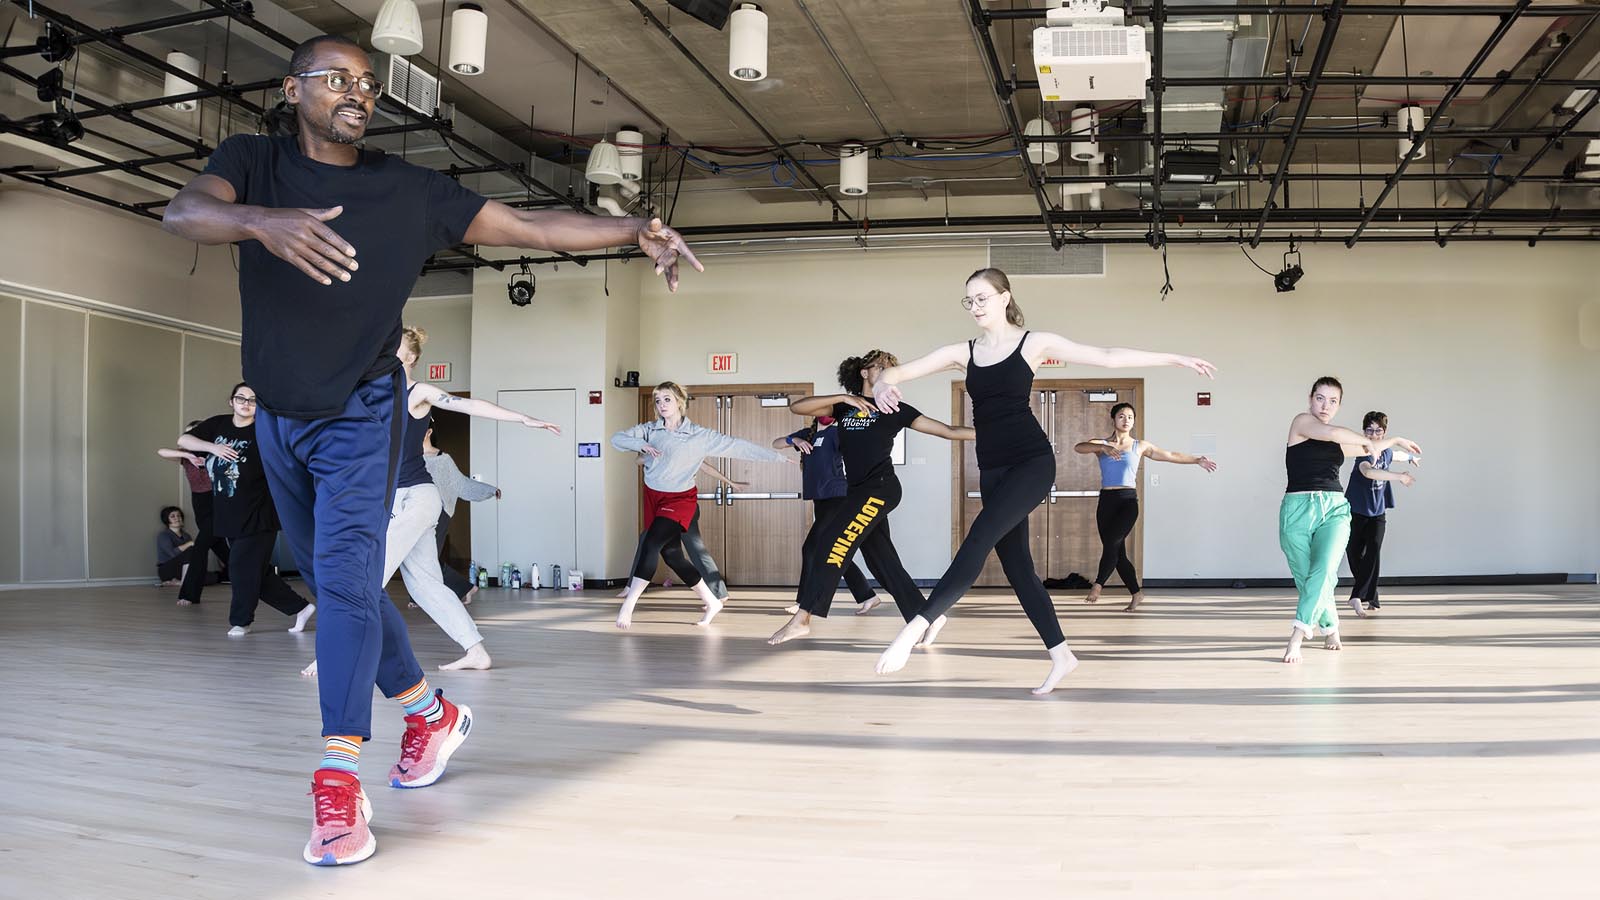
x=533, y=575
x=516, y=579
x=555, y=577
x=483, y=577
x=472, y=572
x=505, y=574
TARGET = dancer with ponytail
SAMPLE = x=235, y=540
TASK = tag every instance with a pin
x=1015, y=458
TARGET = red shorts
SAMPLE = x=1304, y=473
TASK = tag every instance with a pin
x=679, y=506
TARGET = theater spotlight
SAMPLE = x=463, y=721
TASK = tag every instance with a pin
x=1292, y=272
x=520, y=290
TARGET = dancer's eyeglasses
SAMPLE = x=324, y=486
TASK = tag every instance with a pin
x=979, y=301
x=1372, y=430
x=340, y=82
x=247, y=401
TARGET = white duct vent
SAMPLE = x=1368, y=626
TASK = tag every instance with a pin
x=1071, y=43
x=1032, y=256
x=411, y=86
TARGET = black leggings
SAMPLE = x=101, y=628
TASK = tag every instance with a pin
x=253, y=579
x=1115, y=515
x=854, y=578
x=694, y=546
x=1010, y=493
x=206, y=543
x=1366, y=541
x=857, y=521
x=664, y=537
x=455, y=581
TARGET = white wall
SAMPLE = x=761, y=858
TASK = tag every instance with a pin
x=1465, y=348
x=573, y=336
x=448, y=321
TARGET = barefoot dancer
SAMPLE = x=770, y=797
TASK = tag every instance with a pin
x=823, y=483
x=1119, y=497
x=676, y=448
x=1014, y=456
x=318, y=339
x=452, y=486
x=860, y=519
x=1314, y=520
x=1371, y=498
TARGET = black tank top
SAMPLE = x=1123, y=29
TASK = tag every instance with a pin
x=1008, y=432
x=413, y=471
x=1314, y=466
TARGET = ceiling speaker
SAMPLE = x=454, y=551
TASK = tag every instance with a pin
x=712, y=12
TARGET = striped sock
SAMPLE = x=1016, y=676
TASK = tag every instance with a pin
x=420, y=700
x=343, y=753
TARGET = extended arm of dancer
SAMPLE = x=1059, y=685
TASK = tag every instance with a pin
x=929, y=425
x=1307, y=426
x=711, y=470
x=633, y=440
x=1047, y=345
x=1377, y=474
x=823, y=404
x=887, y=394
x=193, y=444
x=165, y=453
x=207, y=211
x=1098, y=445
x=428, y=395
x=1151, y=451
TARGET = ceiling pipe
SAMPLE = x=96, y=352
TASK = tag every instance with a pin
x=1499, y=33
x=1490, y=196
x=121, y=31
x=1322, y=134
x=1285, y=80
x=716, y=82
x=1330, y=30
x=1206, y=11
x=980, y=31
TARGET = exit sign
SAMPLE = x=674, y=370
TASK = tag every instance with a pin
x=1052, y=364
x=722, y=363
x=438, y=371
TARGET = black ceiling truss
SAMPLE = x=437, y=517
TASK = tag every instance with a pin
x=1008, y=109
x=74, y=33
x=1331, y=17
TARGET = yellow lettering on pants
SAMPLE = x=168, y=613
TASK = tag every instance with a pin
x=841, y=546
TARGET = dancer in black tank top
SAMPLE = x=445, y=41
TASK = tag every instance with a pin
x=1016, y=460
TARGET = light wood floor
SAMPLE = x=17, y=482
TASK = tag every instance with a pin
x=1452, y=749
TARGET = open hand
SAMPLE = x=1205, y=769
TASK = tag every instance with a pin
x=223, y=451
x=1207, y=463
x=650, y=451
x=887, y=398
x=299, y=237
x=664, y=247
x=1406, y=479
x=1199, y=365
x=803, y=446
x=1408, y=446
x=531, y=422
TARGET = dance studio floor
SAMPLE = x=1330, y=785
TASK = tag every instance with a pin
x=1452, y=749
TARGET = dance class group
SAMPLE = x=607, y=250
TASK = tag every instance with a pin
x=326, y=440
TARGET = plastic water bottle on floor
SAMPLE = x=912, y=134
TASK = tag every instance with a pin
x=483, y=577
x=533, y=575
x=555, y=577
x=472, y=572
x=516, y=579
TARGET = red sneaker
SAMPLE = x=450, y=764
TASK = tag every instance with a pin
x=425, y=749
x=339, y=832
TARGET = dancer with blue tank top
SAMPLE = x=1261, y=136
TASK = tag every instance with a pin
x=1371, y=497
x=1314, y=519
x=1118, y=509
x=1015, y=458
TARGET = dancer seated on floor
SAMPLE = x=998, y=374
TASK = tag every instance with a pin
x=172, y=548
x=1314, y=518
x=1119, y=497
x=860, y=519
x=675, y=448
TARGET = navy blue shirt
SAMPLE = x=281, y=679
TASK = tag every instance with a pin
x=821, y=470
x=305, y=345
x=1369, y=497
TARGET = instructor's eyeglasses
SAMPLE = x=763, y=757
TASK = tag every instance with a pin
x=340, y=82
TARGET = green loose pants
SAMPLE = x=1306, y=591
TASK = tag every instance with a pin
x=1313, y=530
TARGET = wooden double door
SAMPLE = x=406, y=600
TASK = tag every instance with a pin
x=1061, y=532
x=754, y=532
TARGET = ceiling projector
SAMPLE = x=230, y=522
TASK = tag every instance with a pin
x=1085, y=52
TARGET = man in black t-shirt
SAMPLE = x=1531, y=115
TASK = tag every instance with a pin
x=332, y=237
x=243, y=513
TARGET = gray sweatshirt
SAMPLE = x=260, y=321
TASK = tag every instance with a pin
x=683, y=451
x=452, y=484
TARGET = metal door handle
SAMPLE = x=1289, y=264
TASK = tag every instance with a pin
x=1054, y=494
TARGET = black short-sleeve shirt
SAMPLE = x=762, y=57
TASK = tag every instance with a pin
x=305, y=345
x=866, y=440
x=242, y=503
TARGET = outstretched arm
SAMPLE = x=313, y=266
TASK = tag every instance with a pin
x=498, y=225
x=428, y=395
x=711, y=470
x=207, y=211
x=949, y=432
x=1310, y=427
x=1377, y=474
x=823, y=404
x=196, y=445
x=1182, y=459
x=164, y=453
x=1100, y=446
x=1046, y=345
x=887, y=396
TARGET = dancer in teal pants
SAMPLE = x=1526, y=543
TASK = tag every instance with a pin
x=1314, y=519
